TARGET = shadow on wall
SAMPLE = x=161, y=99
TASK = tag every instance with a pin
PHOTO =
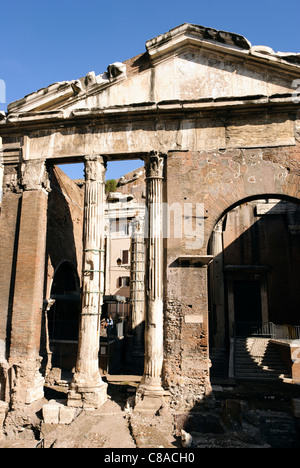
x=64, y=250
x=65, y=218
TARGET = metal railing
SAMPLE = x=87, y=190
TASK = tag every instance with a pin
x=266, y=329
x=297, y=332
x=258, y=329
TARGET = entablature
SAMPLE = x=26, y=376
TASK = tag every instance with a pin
x=128, y=132
x=173, y=108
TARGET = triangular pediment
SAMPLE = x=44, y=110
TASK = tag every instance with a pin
x=189, y=62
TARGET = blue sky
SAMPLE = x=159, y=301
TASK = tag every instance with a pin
x=45, y=42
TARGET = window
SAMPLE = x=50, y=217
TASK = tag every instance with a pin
x=126, y=228
x=119, y=228
x=125, y=257
x=123, y=281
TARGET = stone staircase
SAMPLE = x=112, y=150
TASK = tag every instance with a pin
x=219, y=360
x=258, y=358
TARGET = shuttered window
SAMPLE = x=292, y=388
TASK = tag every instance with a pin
x=125, y=257
x=123, y=281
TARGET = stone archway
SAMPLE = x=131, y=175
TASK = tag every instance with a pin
x=63, y=317
x=253, y=277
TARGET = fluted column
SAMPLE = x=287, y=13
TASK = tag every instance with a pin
x=137, y=281
x=150, y=391
x=87, y=388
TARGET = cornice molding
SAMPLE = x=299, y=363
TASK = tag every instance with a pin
x=202, y=37
x=202, y=107
x=192, y=34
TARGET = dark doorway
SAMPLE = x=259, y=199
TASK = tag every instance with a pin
x=63, y=317
x=247, y=301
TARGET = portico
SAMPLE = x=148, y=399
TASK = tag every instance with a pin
x=215, y=121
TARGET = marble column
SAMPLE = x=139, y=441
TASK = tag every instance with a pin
x=137, y=282
x=87, y=388
x=150, y=394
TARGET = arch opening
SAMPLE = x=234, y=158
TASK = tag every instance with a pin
x=63, y=317
x=254, y=284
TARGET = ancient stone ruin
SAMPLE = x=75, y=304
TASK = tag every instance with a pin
x=215, y=122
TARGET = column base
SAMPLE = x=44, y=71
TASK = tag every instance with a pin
x=27, y=383
x=150, y=398
x=80, y=396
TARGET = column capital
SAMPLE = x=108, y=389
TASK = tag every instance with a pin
x=154, y=165
x=12, y=179
x=34, y=175
x=95, y=167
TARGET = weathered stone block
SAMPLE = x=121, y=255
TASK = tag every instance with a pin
x=66, y=414
x=54, y=375
x=56, y=412
x=51, y=412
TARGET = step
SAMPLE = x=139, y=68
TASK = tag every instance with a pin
x=260, y=370
x=279, y=370
x=261, y=375
x=258, y=365
x=256, y=358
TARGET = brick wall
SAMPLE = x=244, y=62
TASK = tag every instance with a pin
x=9, y=238
x=218, y=179
x=29, y=282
